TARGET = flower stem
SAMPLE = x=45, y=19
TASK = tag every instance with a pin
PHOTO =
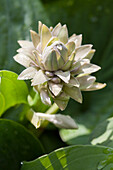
x=52, y=110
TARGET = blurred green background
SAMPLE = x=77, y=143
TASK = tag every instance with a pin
x=92, y=19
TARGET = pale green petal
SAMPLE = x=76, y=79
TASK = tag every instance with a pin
x=56, y=29
x=63, y=51
x=52, y=40
x=45, y=36
x=55, y=88
x=72, y=38
x=39, y=27
x=25, y=44
x=51, y=28
x=35, y=38
x=60, y=60
x=62, y=100
x=22, y=59
x=35, y=120
x=86, y=81
x=50, y=61
x=63, y=34
x=90, y=54
x=73, y=82
x=27, y=52
x=87, y=69
x=66, y=122
x=69, y=62
x=62, y=104
x=82, y=51
x=95, y=86
x=39, y=48
x=28, y=73
x=39, y=78
x=45, y=96
x=38, y=59
x=74, y=93
x=65, y=76
x=78, y=64
x=78, y=40
x=71, y=47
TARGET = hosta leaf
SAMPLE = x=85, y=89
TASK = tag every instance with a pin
x=16, y=144
x=103, y=133
x=12, y=91
x=74, y=157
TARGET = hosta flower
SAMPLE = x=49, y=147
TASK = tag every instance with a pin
x=59, y=120
x=58, y=65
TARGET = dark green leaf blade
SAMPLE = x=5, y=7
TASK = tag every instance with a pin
x=74, y=157
x=16, y=145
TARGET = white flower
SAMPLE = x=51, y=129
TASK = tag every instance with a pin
x=58, y=65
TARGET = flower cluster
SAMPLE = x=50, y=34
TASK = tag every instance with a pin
x=58, y=66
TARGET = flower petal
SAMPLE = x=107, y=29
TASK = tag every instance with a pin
x=77, y=39
x=35, y=120
x=52, y=40
x=50, y=61
x=82, y=51
x=74, y=93
x=61, y=100
x=56, y=29
x=73, y=82
x=86, y=81
x=69, y=62
x=95, y=86
x=38, y=59
x=28, y=73
x=22, y=59
x=45, y=36
x=39, y=78
x=39, y=27
x=90, y=54
x=25, y=44
x=35, y=38
x=27, y=52
x=65, y=76
x=77, y=64
x=87, y=68
x=62, y=121
x=63, y=34
x=55, y=88
x=45, y=96
x=70, y=46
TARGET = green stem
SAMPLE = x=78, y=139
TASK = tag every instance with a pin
x=52, y=110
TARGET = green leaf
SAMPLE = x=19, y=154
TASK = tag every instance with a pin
x=16, y=145
x=72, y=137
x=12, y=91
x=103, y=133
x=74, y=157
